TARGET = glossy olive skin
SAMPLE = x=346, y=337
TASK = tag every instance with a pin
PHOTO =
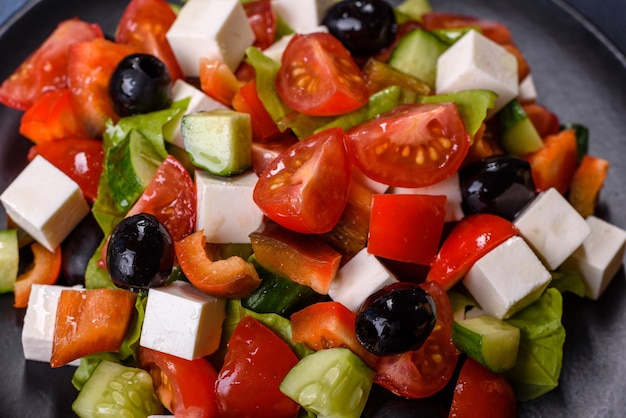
x=396, y=319
x=364, y=27
x=500, y=185
x=140, y=253
x=140, y=84
x=78, y=248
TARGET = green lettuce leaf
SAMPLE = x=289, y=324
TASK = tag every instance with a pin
x=568, y=281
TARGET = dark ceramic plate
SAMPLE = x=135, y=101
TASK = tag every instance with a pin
x=579, y=77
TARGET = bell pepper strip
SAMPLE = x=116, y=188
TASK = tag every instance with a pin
x=218, y=81
x=230, y=278
x=473, y=237
x=90, y=321
x=554, y=164
x=246, y=100
x=45, y=269
x=586, y=184
x=379, y=75
x=545, y=122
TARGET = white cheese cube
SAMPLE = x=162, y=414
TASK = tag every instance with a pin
x=226, y=211
x=214, y=29
x=476, y=62
x=527, y=90
x=199, y=102
x=275, y=51
x=303, y=16
x=182, y=321
x=599, y=257
x=39, y=322
x=359, y=278
x=507, y=278
x=450, y=187
x=45, y=203
x=552, y=227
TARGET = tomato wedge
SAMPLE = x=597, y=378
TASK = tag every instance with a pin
x=305, y=189
x=247, y=100
x=414, y=145
x=318, y=76
x=423, y=372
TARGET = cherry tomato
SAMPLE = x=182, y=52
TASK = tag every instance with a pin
x=482, y=393
x=305, y=189
x=256, y=362
x=263, y=153
x=411, y=146
x=184, y=387
x=80, y=158
x=423, y=372
x=473, y=237
x=263, y=22
x=144, y=24
x=45, y=69
x=318, y=77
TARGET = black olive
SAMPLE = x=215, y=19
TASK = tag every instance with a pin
x=140, y=84
x=364, y=27
x=78, y=248
x=501, y=185
x=140, y=253
x=396, y=319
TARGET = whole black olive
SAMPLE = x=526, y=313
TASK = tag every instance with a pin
x=140, y=253
x=78, y=248
x=364, y=27
x=140, y=84
x=501, y=185
x=396, y=319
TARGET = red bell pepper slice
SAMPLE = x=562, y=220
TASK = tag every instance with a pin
x=246, y=99
x=554, y=164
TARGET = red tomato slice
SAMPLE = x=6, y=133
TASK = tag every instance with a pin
x=45, y=69
x=247, y=100
x=80, y=158
x=318, y=77
x=263, y=22
x=473, y=237
x=264, y=153
x=184, y=387
x=423, y=372
x=305, y=189
x=144, y=24
x=256, y=362
x=495, y=31
x=482, y=393
x=413, y=145
x=45, y=270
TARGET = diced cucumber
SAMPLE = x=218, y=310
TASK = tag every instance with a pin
x=218, y=141
x=330, y=383
x=488, y=340
x=414, y=9
x=417, y=53
x=114, y=390
x=9, y=259
x=517, y=132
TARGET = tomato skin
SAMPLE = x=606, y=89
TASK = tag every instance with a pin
x=318, y=77
x=263, y=22
x=45, y=69
x=305, y=189
x=80, y=158
x=185, y=387
x=46, y=269
x=246, y=99
x=482, y=393
x=248, y=384
x=470, y=239
x=413, y=145
x=423, y=372
x=264, y=153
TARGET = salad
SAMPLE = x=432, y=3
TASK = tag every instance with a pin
x=320, y=126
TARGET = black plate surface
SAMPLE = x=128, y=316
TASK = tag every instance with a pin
x=579, y=77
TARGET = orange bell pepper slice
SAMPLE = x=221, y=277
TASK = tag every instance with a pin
x=554, y=164
x=586, y=184
x=45, y=269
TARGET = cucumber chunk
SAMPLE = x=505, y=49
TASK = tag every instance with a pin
x=518, y=134
x=114, y=390
x=330, y=383
x=9, y=259
x=417, y=54
x=488, y=340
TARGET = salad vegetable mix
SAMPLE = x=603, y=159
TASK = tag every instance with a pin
x=287, y=209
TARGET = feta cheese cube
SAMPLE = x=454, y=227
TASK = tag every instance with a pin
x=45, y=203
x=527, y=90
x=226, y=211
x=182, y=321
x=476, y=62
x=552, y=227
x=303, y=16
x=599, y=257
x=507, y=278
x=359, y=278
x=214, y=29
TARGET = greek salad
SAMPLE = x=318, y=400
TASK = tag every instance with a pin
x=270, y=208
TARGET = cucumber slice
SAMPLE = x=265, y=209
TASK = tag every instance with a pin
x=414, y=9
x=330, y=383
x=488, y=340
x=417, y=54
x=518, y=135
x=218, y=141
x=9, y=259
x=114, y=390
